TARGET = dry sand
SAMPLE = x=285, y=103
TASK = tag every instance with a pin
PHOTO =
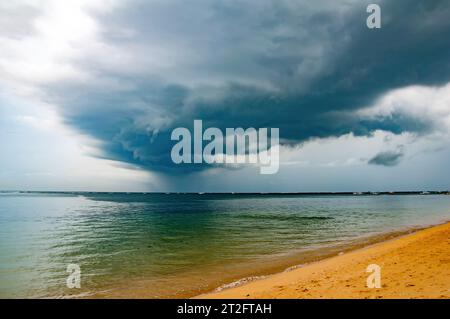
x=412, y=266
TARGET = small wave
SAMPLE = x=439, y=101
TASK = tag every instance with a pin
x=239, y=282
x=316, y=217
x=284, y=217
x=294, y=267
x=74, y=296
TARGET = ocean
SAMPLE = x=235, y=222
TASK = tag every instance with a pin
x=180, y=245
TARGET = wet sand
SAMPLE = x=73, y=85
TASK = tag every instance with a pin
x=412, y=266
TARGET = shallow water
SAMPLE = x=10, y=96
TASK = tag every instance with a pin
x=165, y=245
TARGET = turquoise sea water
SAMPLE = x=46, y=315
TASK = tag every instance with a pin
x=165, y=245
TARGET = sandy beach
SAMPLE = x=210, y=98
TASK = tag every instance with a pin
x=412, y=266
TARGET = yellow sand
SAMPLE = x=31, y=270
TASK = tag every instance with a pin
x=412, y=266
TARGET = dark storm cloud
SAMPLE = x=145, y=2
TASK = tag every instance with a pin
x=301, y=66
x=389, y=158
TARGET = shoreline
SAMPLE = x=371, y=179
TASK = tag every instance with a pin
x=413, y=264
x=257, y=270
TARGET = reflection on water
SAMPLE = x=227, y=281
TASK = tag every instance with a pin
x=161, y=245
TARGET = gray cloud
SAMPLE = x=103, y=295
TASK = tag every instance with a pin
x=388, y=158
x=15, y=19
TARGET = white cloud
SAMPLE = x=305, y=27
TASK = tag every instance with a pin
x=421, y=103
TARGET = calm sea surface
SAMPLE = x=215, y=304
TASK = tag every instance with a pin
x=179, y=245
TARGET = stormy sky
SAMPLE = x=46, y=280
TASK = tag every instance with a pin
x=90, y=92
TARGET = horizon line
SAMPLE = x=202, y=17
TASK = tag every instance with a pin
x=397, y=192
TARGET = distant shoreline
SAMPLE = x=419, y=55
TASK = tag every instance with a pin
x=441, y=192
